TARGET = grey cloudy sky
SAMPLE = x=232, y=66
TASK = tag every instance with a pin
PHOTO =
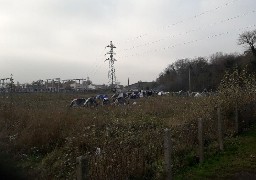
x=41, y=39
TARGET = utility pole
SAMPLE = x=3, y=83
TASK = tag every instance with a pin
x=189, y=79
x=111, y=59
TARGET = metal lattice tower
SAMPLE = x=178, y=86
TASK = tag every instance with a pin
x=111, y=59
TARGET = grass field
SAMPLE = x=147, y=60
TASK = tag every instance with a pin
x=238, y=161
x=45, y=136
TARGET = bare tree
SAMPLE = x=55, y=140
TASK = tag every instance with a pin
x=248, y=38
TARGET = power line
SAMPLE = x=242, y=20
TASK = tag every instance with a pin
x=187, y=32
x=181, y=21
x=95, y=67
x=94, y=70
x=203, y=13
x=183, y=43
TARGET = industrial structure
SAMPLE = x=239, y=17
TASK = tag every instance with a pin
x=58, y=85
x=111, y=59
x=49, y=85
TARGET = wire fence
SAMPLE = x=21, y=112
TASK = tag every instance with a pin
x=188, y=144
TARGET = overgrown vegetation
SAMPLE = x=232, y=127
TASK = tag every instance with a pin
x=237, y=161
x=45, y=136
x=205, y=73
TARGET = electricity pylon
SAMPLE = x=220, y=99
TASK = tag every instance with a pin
x=111, y=59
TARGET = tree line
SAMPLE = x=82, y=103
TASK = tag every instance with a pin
x=202, y=73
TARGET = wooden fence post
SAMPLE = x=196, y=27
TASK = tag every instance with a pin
x=236, y=120
x=220, y=129
x=200, y=140
x=82, y=168
x=167, y=154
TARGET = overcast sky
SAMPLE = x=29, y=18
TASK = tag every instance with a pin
x=44, y=39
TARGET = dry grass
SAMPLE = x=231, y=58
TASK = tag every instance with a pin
x=47, y=136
